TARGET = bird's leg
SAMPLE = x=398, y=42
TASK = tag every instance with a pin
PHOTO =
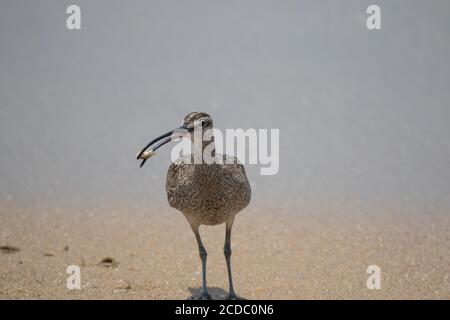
x=204, y=295
x=227, y=252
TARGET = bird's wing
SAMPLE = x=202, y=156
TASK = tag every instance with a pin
x=237, y=171
x=176, y=176
x=234, y=165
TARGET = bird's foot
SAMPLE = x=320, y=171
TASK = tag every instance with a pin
x=202, y=296
x=233, y=296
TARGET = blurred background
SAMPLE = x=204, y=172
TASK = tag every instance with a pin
x=363, y=115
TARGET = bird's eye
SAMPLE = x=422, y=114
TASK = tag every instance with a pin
x=204, y=124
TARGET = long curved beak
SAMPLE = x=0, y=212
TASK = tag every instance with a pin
x=158, y=142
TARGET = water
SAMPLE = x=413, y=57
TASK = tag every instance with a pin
x=363, y=115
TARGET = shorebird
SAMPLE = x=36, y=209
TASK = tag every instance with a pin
x=206, y=194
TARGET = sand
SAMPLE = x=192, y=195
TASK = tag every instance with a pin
x=151, y=253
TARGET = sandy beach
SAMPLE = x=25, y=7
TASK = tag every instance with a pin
x=152, y=254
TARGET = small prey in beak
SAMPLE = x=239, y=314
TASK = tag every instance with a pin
x=145, y=154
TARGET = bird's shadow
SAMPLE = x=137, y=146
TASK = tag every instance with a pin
x=216, y=293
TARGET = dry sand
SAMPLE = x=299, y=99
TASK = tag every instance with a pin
x=287, y=255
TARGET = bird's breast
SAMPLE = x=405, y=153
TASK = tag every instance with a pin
x=209, y=195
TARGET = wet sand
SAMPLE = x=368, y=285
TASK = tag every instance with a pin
x=152, y=254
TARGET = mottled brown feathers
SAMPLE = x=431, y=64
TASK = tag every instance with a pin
x=207, y=193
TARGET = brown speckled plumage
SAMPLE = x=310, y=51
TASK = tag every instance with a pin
x=207, y=193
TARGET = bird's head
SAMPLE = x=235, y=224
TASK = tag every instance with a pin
x=197, y=118
x=192, y=121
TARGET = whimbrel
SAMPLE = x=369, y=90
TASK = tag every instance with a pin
x=207, y=194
